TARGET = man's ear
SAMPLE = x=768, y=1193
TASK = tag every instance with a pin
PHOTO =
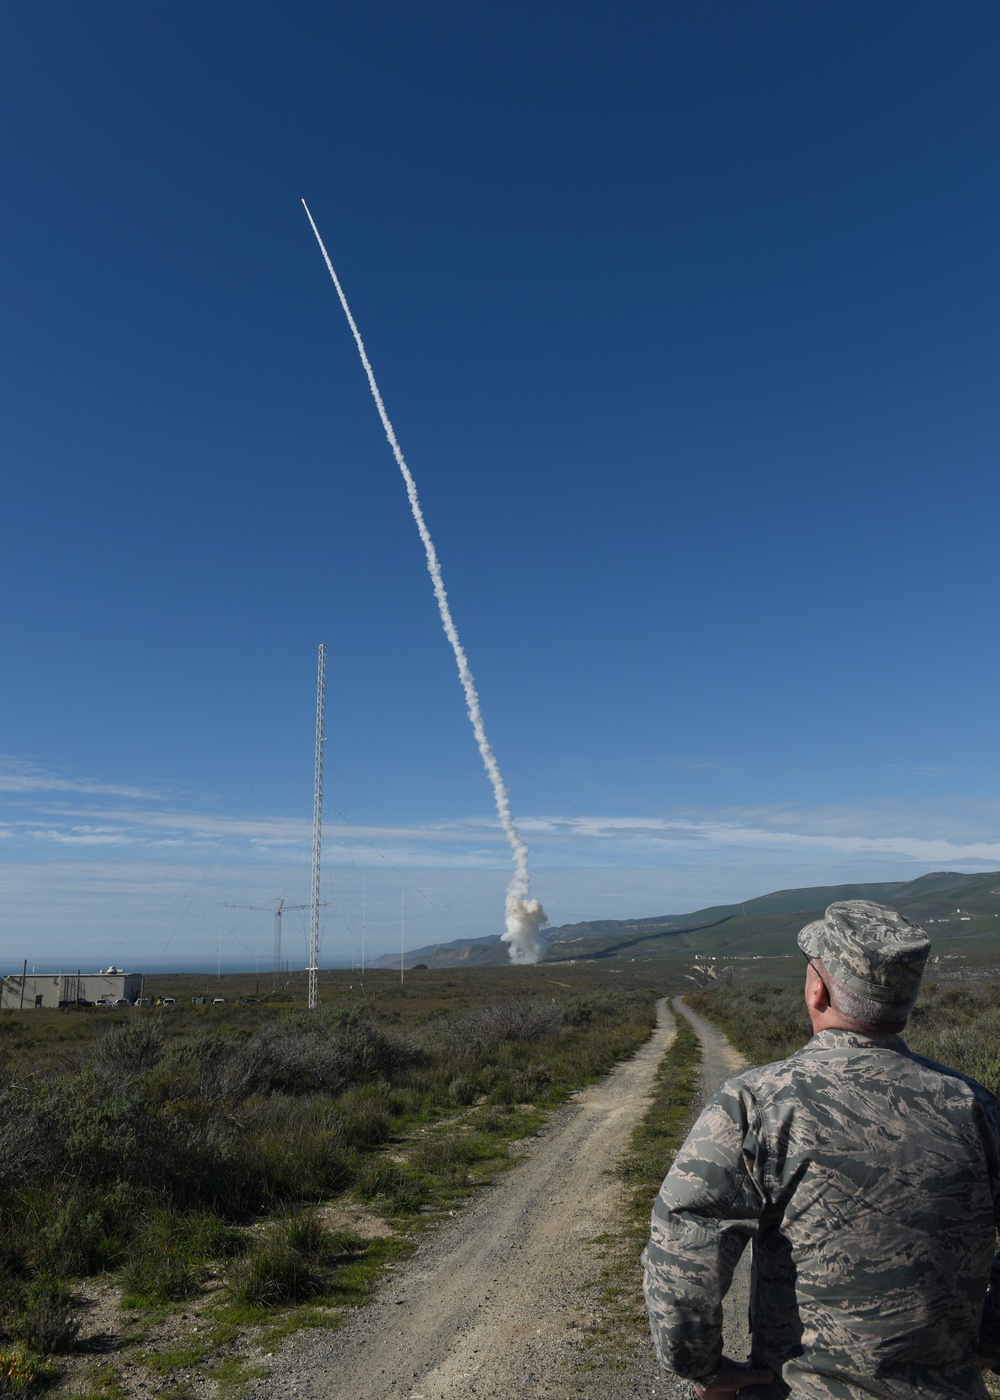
x=815, y=993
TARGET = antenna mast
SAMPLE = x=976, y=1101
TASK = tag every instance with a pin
x=279, y=905
x=276, y=960
x=317, y=829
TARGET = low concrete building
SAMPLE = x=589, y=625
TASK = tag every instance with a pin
x=69, y=989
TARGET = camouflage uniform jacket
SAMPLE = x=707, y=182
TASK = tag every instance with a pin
x=868, y=1179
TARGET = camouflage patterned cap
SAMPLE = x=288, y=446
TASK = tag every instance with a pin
x=869, y=949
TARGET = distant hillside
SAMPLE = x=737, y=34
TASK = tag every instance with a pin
x=947, y=904
x=460, y=952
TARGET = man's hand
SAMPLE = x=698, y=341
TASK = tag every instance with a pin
x=734, y=1377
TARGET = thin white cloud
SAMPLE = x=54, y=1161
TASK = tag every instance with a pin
x=906, y=834
x=913, y=835
x=208, y=824
x=25, y=778
x=78, y=838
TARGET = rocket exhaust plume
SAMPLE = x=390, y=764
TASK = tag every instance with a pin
x=524, y=916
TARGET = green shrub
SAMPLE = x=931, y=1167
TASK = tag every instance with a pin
x=289, y=1154
x=302, y=1052
x=170, y=1252
x=213, y=1238
x=960, y=1027
x=449, y=1155
x=364, y=1115
x=161, y=1269
x=128, y=1050
x=280, y=1267
x=376, y=1177
x=166, y=1276
x=513, y=1085
x=46, y=1322
x=499, y=1120
x=307, y=1236
x=273, y=1273
x=463, y=1089
x=443, y=1156
x=381, y=1179
x=599, y=1008
x=483, y=1029
x=111, y=1137
x=293, y=1261
x=13, y=1269
x=81, y=1234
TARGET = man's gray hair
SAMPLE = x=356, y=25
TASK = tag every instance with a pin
x=879, y=1015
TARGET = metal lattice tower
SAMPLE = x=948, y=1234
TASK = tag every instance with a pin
x=276, y=956
x=317, y=829
x=261, y=908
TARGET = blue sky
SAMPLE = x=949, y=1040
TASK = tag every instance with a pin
x=686, y=319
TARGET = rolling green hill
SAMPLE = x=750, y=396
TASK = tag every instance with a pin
x=949, y=905
x=960, y=910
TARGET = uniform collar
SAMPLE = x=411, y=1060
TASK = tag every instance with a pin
x=835, y=1039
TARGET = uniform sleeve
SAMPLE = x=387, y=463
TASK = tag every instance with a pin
x=989, y=1331
x=707, y=1209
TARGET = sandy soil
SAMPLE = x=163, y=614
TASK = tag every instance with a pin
x=498, y=1302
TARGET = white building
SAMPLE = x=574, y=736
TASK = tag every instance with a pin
x=69, y=989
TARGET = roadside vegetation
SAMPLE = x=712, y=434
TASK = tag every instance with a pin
x=258, y=1167
x=956, y=1023
x=652, y=1147
x=765, y=1021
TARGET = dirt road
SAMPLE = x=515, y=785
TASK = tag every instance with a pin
x=493, y=1304
x=719, y=1062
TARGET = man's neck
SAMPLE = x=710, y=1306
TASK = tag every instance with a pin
x=831, y=1020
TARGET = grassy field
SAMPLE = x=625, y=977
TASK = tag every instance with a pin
x=255, y=1165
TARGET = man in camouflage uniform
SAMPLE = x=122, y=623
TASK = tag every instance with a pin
x=868, y=1179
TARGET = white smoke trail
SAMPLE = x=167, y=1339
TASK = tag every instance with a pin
x=524, y=916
